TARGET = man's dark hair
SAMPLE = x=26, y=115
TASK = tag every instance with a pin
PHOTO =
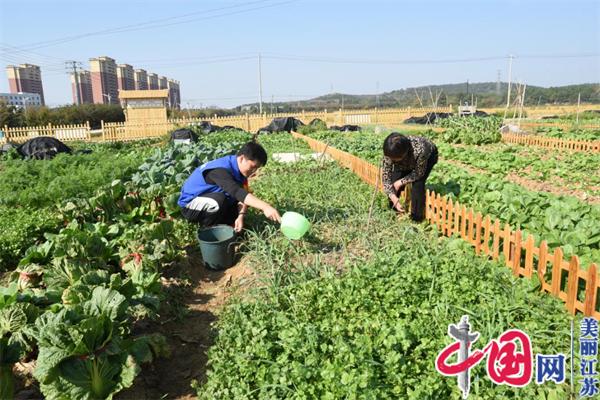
x=396, y=146
x=255, y=152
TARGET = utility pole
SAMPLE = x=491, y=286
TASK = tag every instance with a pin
x=73, y=66
x=510, y=59
x=522, y=103
x=578, y=103
x=377, y=94
x=259, y=85
x=498, y=84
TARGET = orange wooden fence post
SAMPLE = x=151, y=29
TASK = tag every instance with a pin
x=486, y=235
x=542, y=261
x=516, y=265
x=529, y=244
x=463, y=222
x=442, y=217
x=478, y=233
x=556, y=271
x=506, y=235
x=573, y=281
x=471, y=223
x=457, y=209
x=589, y=305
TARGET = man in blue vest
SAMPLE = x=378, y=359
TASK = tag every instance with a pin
x=217, y=192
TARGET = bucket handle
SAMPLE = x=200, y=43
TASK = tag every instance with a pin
x=236, y=241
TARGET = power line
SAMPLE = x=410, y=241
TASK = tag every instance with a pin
x=334, y=60
x=375, y=61
x=22, y=51
x=584, y=55
x=155, y=23
x=192, y=58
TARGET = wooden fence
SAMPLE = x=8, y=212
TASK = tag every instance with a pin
x=531, y=125
x=577, y=287
x=552, y=143
x=521, y=256
x=123, y=131
x=546, y=110
x=253, y=122
x=63, y=132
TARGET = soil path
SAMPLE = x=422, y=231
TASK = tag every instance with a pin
x=191, y=336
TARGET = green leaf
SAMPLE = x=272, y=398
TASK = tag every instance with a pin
x=108, y=302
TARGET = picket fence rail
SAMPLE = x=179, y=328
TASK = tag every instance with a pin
x=528, y=124
x=552, y=143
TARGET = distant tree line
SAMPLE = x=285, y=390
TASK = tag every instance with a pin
x=200, y=113
x=486, y=94
x=12, y=116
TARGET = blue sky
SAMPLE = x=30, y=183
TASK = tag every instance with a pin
x=366, y=44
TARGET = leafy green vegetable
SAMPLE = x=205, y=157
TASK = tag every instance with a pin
x=360, y=310
x=471, y=130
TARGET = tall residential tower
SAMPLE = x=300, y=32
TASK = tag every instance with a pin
x=25, y=78
x=104, y=80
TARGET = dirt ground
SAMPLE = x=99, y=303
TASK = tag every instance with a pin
x=191, y=337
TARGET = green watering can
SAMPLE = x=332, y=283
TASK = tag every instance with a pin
x=294, y=225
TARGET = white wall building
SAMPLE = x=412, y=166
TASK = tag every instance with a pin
x=21, y=99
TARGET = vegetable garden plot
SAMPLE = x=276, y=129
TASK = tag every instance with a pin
x=73, y=300
x=575, y=134
x=577, y=287
x=359, y=310
x=31, y=189
x=471, y=130
x=561, y=221
x=576, y=171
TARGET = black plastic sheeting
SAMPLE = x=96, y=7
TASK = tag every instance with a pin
x=43, y=148
x=232, y=128
x=207, y=127
x=428, y=118
x=283, y=124
x=317, y=121
x=184, y=135
x=346, y=128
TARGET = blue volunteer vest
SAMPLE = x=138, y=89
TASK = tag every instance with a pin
x=196, y=184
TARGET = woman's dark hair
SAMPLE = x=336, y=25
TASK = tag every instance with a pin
x=396, y=146
x=255, y=152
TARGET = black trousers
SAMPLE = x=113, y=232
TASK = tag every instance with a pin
x=417, y=198
x=211, y=209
